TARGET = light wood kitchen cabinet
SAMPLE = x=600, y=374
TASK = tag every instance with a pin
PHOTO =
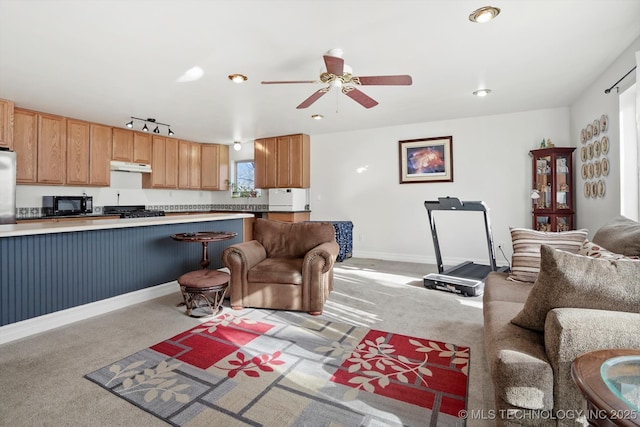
x=25, y=144
x=141, y=148
x=78, y=136
x=184, y=152
x=214, y=167
x=265, y=165
x=195, y=165
x=188, y=165
x=164, y=164
x=88, y=153
x=100, y=154
x=122, y=145
x=6, y=123
x=289, y=216
x=52, y=152
x=283, y=162
x=171, y=163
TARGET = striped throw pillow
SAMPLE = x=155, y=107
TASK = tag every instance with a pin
x=525, y=263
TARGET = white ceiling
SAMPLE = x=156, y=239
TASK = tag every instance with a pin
x=105, y=61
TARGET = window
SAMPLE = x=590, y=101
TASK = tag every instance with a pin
x=245, y=176
x=629, y=155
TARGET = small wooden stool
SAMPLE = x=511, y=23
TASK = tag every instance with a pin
x=209, y=286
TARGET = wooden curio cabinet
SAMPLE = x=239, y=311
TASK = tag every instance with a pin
x=553, y=197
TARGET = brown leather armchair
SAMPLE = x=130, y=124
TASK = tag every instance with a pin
x=288, y=266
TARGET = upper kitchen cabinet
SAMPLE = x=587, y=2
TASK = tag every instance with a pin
x=195, y=168
x=100, y=155
x=283, y=162
x=265, y=165
x=142, y=148
x=25, y=144
x=52, y=153
x=6, y=123
x=78, y=136
x=122, y=145
x=214, y=167
x=164, y=164
x=189, y=165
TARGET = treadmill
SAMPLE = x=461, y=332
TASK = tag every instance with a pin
x=466, y=278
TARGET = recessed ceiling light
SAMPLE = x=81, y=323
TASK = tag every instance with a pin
x=317, y=117
x=482, y=92
x=237, y=78
x=484, y=14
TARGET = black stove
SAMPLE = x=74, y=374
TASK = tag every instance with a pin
x=135, y=211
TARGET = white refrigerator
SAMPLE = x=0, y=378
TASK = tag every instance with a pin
x=7, y=186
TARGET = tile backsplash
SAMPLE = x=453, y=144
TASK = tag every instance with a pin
x=36, y=212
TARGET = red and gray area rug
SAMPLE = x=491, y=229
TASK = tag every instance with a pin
x=269, y=368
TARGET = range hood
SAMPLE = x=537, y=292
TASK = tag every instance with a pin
x=130, y=167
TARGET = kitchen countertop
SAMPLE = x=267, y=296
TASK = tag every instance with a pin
x=83, y=223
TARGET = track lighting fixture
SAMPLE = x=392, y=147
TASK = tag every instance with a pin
x=145, y=128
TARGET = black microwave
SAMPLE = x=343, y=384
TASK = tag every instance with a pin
x=66, y=205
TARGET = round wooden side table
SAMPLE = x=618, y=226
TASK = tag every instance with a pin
x=204, y=237
x=204, y=286
x=604, y=406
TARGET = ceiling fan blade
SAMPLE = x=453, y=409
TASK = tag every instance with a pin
x=334, y=65
x=313, y=98
x=288, y=82
x=360, y=97
x=401, y=80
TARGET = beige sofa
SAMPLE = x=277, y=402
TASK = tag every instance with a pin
x=530, y=368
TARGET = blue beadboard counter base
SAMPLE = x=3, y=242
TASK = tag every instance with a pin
x=48, y=267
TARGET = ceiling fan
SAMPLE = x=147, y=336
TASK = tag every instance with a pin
x=339, y=75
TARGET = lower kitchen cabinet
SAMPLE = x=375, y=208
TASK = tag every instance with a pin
x=289, y=216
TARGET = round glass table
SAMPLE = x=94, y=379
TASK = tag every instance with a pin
x=610, y=382
x=622, y=375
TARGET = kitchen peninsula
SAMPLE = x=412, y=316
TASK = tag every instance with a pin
x=46, y=267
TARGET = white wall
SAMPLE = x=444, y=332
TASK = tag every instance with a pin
x=595, y=212
x=491, y=163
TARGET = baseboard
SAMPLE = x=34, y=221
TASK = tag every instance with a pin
x=388, y=256
x=36, y=325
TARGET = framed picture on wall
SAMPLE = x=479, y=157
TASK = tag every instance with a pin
x=426, y=160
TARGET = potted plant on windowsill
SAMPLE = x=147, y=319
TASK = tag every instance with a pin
x=241, y=191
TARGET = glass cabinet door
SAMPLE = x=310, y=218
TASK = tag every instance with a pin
x=563, y=196
x=543, y=182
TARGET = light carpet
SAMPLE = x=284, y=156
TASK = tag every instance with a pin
x=273, y=368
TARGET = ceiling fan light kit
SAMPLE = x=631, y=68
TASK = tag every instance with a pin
x=340, y=76
x=238, y=78
x=484, y=14
x=145, y=128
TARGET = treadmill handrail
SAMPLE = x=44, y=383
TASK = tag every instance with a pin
x=455, y=204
